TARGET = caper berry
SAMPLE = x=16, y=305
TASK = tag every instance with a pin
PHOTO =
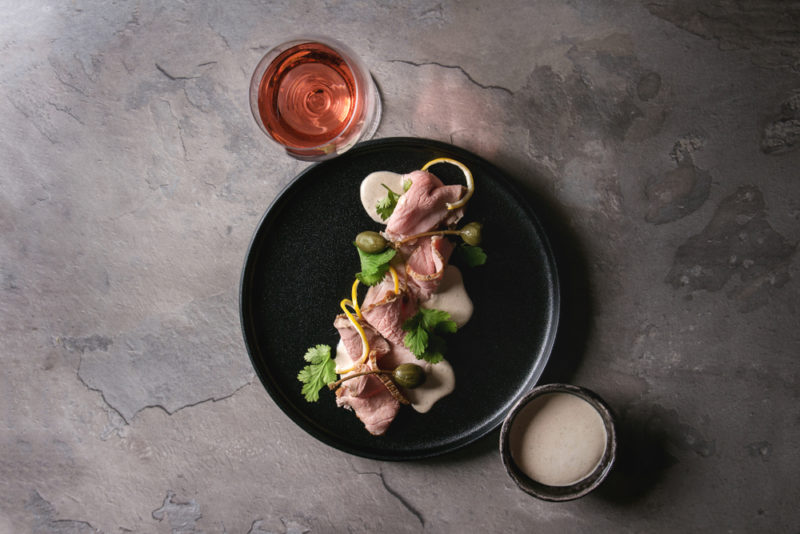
x=408, y=375
x=471, y=233
x=371, y=242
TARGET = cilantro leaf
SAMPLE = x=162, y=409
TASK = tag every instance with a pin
x=416, y=340
x=436, y=349
x=385, y=206
x=374, y=266
x=438, y=321
x=320, y=371
x=422, y=334
x=471, y=255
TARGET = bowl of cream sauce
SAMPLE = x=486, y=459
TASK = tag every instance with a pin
x=558, y=442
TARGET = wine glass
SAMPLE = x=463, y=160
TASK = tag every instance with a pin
x=314, y=97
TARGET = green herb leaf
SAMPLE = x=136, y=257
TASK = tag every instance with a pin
x=471, y=255
x=374, y=266
x=416, y=340
x=436, y=349
x=422, y=334
x=320, y=371
x=437, y=321
x=385, y=206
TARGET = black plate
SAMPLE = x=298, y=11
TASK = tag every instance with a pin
x=301, y=263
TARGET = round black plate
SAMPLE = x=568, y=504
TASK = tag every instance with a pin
x=301, y=263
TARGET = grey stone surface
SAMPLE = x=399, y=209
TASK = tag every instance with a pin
x=658, y=140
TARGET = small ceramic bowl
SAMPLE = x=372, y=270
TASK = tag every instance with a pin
x=518, y=415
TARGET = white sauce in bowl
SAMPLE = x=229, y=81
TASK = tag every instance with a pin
x=558, y=439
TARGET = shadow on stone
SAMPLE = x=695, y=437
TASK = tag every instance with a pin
x=643, y=459
x=487, y=445
x=575, y=286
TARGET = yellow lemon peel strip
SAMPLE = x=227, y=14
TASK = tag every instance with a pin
x=365, y=352
x=467, y=176
x=395, y=279
x=354, y=295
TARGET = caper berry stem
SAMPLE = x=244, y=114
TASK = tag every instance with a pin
x=334, y=385
x=408, y=375
x=427, y=234
x=470, y=233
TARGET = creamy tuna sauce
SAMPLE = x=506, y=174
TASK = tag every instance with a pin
x=451, y=296
x=342, y=359
x=558, y=439
x=372, y=190
x=440, y=380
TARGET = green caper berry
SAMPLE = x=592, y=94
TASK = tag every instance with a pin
x=408, y=375
x=371, y=242
x=471, y=233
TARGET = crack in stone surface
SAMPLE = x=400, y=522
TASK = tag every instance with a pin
x=289, y=527
x=66, y=83
x=46, y=522
x=457, y=67
x=66, y=76
x=255, y=527
x=219, y=34
x=402, y=500
x=68, y=111
x=172, y=361
x=111, y=409
x=32, y=119
x=182, y=516
x=194, y=404
x=173, y=77
x=80, y=345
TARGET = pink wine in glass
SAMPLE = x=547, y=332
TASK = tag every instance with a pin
x=313, y=98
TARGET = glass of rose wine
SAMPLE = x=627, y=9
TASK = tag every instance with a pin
x=314, y=97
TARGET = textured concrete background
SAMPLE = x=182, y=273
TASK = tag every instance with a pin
x=660, y=142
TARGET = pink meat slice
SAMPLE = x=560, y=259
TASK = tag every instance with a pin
x=425, y=265
x=424, y=206
x=363, y=385
x=386, y=311
x=352, y=339
x=376, y=411
x=399, y=354
x=372, y=403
